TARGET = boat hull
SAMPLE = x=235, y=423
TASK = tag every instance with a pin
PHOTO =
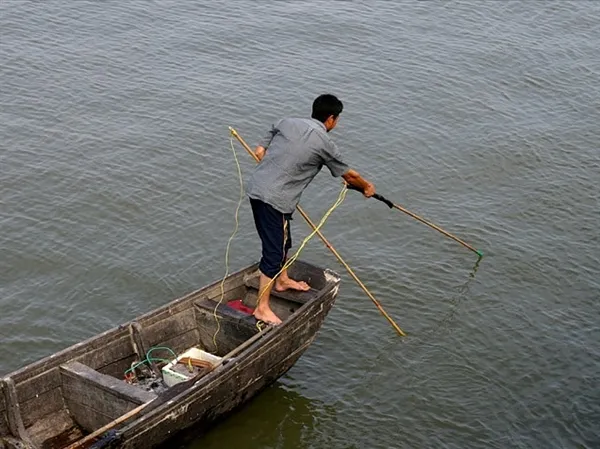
x=77, y=398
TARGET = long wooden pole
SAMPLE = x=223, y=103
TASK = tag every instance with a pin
x=422, y=220
x=327, y=244
x=437, y=228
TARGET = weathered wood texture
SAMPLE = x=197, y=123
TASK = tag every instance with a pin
x=39, y=389
x=60, y=425
x=229, y=329
x=140, y=345
x=281, y=307
x=13, y=409
x=170, y=327
x=180, y=324
x=95, y=399
x=220, y=392
x=41, y=396
x=295, y=297
x=45, y=404
x=3, y=420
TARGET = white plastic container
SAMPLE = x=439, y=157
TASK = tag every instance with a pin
x=172, y=377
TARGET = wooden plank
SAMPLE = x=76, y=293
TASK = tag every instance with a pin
x=118, y=367
x=88, y=418
x=181, y=342
x=289, y=295
x=75, y=374
x=30, y=388
x=281, y=307
x=3, y=419
x=140, y=345
x=13, y=409
x=4, y=430
x=233, y=328
x=112, y=351
x=54, y=429
x=171, y=327
x=107, y=396
x=46, y=403
x=37, y=385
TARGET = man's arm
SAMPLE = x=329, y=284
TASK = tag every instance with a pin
x=353, y=178
x=264, y=143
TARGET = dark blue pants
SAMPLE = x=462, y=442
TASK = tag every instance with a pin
x=274, y=231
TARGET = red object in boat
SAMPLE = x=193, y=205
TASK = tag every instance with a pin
x=237, y=304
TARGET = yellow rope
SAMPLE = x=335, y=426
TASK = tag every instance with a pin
x=237, y=223
x=292, y=259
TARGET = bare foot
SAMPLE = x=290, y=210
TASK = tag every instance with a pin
x=267, y=316
x=290, y=284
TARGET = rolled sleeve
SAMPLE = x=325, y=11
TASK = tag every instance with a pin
x=334, y=161
x=266, y=140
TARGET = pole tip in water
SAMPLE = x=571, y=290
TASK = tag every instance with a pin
x=480, y=254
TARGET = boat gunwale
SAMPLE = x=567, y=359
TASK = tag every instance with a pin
x=205, y=382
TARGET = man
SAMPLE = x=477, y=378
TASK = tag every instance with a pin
x=290, y=156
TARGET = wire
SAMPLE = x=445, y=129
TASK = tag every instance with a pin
x=146, y=360
x=156, y=348
x=235, y=230
x=149, y=359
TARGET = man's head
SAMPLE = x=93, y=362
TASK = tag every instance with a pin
x=327, y=109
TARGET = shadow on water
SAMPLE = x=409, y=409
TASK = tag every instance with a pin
x=277, y=417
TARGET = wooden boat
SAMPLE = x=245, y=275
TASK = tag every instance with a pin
x=79, y=398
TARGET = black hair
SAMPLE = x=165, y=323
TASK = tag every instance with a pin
x=326, y=105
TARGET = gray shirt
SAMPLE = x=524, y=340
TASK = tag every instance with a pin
x=297, y=149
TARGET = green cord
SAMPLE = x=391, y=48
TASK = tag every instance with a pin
x=160, y=347
x=146, y=360
x=149, y=359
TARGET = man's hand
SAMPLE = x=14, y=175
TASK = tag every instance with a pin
x=260, y=152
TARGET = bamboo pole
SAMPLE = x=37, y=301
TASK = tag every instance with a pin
x=391, y=205
x=437, y=228
x=327, y=244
